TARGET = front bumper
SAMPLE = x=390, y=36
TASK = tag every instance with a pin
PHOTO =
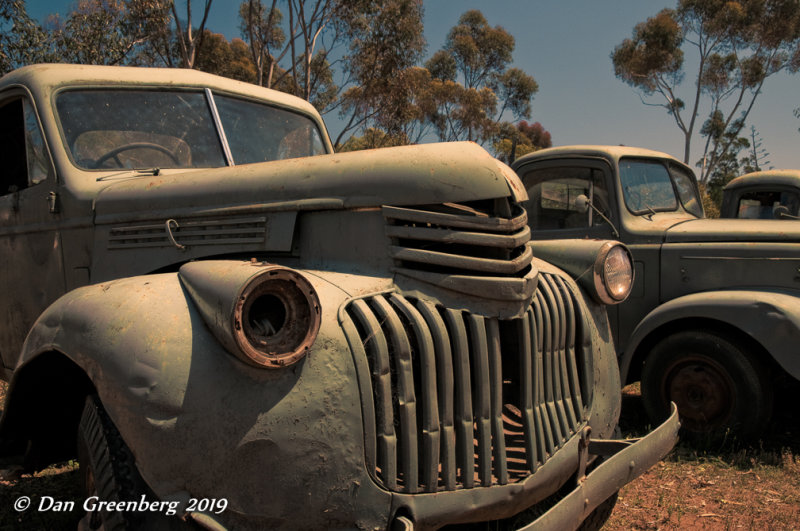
x=625, y=461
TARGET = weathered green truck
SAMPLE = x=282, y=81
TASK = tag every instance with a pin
x=714, y=312
x=768, y=194
x=255, y=332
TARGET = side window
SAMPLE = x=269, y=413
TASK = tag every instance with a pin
x=553, y=193
x=22, y=147
x=762, y=205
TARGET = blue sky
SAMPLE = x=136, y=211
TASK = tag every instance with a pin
x=565, y=46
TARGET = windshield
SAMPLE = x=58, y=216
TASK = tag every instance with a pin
x=258, y=133
x=143, y=129
x=649, y=187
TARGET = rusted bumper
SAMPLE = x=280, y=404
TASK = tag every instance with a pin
x=629, y=460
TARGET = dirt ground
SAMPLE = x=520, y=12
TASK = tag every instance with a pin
x=727, y=487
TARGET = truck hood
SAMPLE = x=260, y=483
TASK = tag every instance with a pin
x=733, y=230
x=407, y=175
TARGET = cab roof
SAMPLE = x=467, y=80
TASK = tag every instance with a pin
x=50, y=77
x=789, y=178
x=612, y=153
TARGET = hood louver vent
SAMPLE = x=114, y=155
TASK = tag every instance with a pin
x=208, y=232
x=479, y=238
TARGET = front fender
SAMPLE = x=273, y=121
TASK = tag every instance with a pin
x=288, y=443
x=771, y=318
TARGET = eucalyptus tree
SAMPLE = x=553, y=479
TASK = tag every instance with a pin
x=736, y=45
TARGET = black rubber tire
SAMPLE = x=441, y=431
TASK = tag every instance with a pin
x=720, y=389
x=108, y=469
x=598, y=518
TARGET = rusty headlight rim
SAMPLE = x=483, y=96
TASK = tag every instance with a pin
x=612, y=291
x=276, y=318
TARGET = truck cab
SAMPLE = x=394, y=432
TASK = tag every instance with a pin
x=714, y=309
x=769, y=194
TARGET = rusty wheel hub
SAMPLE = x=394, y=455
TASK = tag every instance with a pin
x=703, y=392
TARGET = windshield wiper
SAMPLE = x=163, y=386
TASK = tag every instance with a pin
x=648, y=217
x=136, y=173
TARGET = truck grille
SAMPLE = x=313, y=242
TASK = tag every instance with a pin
x=454, y=400
x=482, y=237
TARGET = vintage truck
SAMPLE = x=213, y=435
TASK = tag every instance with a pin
x=227, y=316
x=714, y=314
x=767, y=194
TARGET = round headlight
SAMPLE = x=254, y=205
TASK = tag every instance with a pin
x=613, y=274
x=276, y=318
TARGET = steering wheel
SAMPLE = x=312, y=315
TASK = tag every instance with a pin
x=134, y=145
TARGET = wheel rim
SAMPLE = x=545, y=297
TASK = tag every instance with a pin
x=703, y=391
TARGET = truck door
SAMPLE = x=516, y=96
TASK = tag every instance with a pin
x=31, y=267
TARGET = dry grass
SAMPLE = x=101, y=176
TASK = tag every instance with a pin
x=730, y=486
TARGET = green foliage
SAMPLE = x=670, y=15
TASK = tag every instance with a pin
x=738, y=44
x=22, y=40
x=743, y=155
x=229, y=59
x=523, y=138
x=442, y=66
x=653, y=56
x=371, y=139
x=386, y=41
x=262, y=29
x=94, y=32
x=479, y=50
x=472, y=86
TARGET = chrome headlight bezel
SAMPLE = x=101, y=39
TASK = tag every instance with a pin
x=611, y=284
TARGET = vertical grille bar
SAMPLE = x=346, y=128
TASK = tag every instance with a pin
x=444, y=373
x=566, y=351
x=378, y=350
x=463, y=393
x=527, y=388
x=574, y=379
x=496, y=401
x=364, y=375
x=549, y=369
x=429, y=401
x=525, y=328
x=543, y=422
x=481, y=390
x=406, y=398
x=559, y=362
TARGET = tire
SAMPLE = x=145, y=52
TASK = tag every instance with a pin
x=597, y=518
x=108, y=470
x=719, y=388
